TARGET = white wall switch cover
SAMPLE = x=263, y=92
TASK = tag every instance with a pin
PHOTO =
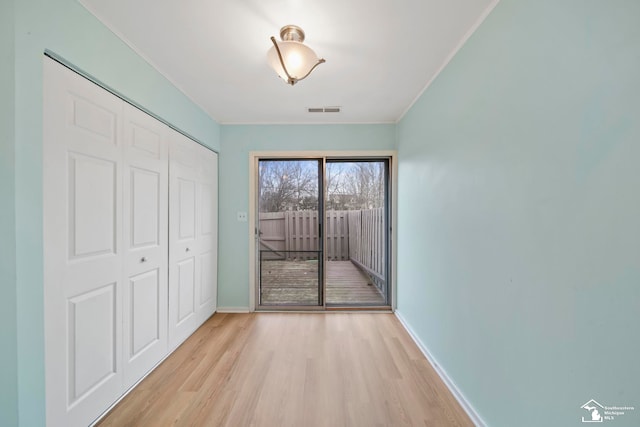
x=242, y=216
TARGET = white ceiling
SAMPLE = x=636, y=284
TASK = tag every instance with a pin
x=380, y=54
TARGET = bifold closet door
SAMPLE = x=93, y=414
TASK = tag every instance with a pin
x=83, y=246
x=146, y=240
x=207, y=233
x=105, y=184
x=192, y=236
x=123, y=283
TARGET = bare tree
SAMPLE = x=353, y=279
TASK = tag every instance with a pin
x=337, y=194
x=356, y=185
x=293, y=185
x=288, y=185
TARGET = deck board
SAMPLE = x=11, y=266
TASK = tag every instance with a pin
x=296, y=283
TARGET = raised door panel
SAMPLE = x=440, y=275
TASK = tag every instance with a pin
x=92, y=340
x=186, y=289
x=145, y=292
x=146, y=136
x=92, y=206
x=207, y=294
x=82, y=234
x=145, y=208
x=89, y=116
x=207, y=213
x=146, y=243
x=186, y=209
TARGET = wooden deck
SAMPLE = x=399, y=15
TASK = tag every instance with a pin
x=296, y=283
x=347, y=284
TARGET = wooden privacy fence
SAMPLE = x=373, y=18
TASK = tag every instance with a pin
x=350, y=235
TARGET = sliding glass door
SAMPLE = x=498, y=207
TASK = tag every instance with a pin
x=289, y=232
x=356, y=232
x=322, y=233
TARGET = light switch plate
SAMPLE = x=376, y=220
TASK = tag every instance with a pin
x=242, y=216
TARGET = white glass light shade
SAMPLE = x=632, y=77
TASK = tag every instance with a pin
x=298, y=58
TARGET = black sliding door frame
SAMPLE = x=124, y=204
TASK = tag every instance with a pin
x=262, y=252
x=289, y=272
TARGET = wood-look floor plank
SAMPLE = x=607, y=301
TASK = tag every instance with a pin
x=293, y=369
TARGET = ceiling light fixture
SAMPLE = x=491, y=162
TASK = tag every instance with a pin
x=292, y=60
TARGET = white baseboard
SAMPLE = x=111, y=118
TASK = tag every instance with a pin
x=232, y=310
x=471, y=412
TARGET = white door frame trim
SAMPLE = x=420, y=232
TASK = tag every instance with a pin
x=251, y=224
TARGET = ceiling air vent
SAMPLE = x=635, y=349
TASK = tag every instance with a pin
x=323, y=109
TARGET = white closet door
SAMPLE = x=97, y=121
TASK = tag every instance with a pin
x=207, y=233
x=146, y=243
x=184, y=262
x=83, y=246
x=193, y=236
x=130, y=244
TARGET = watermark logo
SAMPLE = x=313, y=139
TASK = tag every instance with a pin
x=597, y=413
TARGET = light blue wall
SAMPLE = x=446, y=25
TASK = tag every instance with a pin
x=8, y=331
x=519, y=213
x=67, y=29
x=518, y=208
x=237, y=142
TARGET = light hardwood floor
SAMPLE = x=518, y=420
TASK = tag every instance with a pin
x=293, y=369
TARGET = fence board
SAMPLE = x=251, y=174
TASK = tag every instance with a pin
x=272, y=234
x=356, y=235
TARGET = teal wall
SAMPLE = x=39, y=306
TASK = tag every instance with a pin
x=237, y=142
x=518, y=241
x=8, y=319
x=519, y=213
x=66, y=28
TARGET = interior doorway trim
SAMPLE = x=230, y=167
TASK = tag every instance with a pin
x=254, y=156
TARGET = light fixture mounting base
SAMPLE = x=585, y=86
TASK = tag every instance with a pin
x=292, y=33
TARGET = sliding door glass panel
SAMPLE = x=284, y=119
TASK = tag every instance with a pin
x=289, y=233
x=356, y=245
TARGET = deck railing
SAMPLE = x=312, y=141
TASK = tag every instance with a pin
x=350, y=235
x=367, y=242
